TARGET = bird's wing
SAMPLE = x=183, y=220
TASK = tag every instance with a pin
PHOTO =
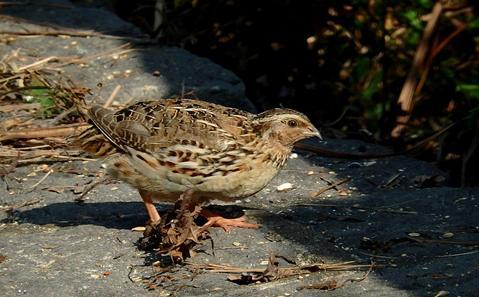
x=155, y=125
x=190, y=136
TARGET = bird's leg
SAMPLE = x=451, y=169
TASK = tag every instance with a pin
x=185, y=200
x=150, y=206
x=216, y=220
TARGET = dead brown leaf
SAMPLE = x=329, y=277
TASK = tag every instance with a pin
x=177, y=234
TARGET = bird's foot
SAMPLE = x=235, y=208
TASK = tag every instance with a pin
x=216, y=220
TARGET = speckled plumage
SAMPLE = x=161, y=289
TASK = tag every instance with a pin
x=166, y=147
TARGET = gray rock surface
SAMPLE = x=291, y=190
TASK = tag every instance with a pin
x=57, y=247
x=426, y=239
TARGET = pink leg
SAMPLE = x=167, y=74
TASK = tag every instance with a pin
x=150, y=206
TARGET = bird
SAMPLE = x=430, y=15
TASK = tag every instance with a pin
x=193, y=149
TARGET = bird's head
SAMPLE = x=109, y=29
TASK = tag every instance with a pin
x=285, y=126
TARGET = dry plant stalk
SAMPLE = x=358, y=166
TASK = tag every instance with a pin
x=58, y=131
x=274, y=272
x=406, y=97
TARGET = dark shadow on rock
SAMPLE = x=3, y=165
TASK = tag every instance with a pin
x=119, y=215
x=427, y=238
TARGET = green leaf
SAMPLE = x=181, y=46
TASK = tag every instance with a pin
x=474, y=24
x=413, y=18
x=425, y=3
x=374, y=86
x=361, y=68
x=470, y=90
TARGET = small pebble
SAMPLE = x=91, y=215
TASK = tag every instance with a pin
x=235, y=243
x=414, y=234
x=311, y=172
x=448, y=235
x=293, y=156
x=284, y=187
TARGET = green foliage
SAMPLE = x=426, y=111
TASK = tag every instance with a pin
x=470, y=90
x=374, y=86
x=43, y=95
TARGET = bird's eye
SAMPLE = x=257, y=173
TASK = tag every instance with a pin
x=292, y=123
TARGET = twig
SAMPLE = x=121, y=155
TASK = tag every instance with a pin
x=300, y=269
x=438, y=241
x=332, y=186
x=458, y=255
x=434, y=52
x=377, y=256
x=17, y=107
x=91, y=186
x=122, y=49
x=406, y=97
x=37, y=63
x=336, y=285
x=41, y=180
x=62, y=115
x=459, y=28
x=77, y=33
x=59, y=131
x=23, y=204
x=27, y=157
x=67, y=60
x=112, y=96
x=393, y=179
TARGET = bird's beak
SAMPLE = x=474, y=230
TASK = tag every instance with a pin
x=315, y=133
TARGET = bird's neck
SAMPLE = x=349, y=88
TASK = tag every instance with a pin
x=276, y=153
